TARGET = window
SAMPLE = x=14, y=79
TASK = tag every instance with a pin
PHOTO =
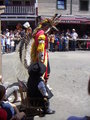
x=84, y=5
x=61, y=4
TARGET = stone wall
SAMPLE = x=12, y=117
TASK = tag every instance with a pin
x=48, y=8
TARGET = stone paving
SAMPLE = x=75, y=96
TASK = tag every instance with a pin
x=69, y=76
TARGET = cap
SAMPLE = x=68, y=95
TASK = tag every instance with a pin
x=26, y=25
x=73, y=29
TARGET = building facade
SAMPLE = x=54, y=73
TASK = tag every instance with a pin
x=64, y=7
x=18, y=11
x=74, y=13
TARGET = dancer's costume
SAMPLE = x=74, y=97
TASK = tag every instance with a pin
x=39, y=45
x=41, y=52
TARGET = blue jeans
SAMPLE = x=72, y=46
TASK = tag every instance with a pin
x=3, y=49
x=51, y=46
x=73, y=45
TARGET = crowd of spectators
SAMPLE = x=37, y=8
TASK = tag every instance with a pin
x=58, y=41
x=8, y=40
x=64, y=41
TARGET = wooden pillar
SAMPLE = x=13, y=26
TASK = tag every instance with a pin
x=71, y=7
x=1, y=11
x=36, y=11
x=0, y=49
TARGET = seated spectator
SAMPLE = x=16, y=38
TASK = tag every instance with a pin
x=10, y=90
x=36, y=87
x=11, y=109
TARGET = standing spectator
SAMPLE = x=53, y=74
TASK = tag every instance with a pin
x=68, y=36
x=12, y=45
x=74, y=36
x=7, y=40
x=8, y=44
x=60, y=43
x=52, y=39
x=3, y=44
x=67, y=42
x=63, y=41
x=11, y=35
x=56, y=42
x=7, y=33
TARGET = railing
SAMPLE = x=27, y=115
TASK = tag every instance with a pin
x=78, y=39
x=20, y=10
x=82, y=43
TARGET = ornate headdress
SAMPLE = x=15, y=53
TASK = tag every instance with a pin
x=49, y=22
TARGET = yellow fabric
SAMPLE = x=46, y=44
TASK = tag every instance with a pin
x=45, y=62
x=36, y=49
x=40, y=47
x=41, y=37
x=34, y=52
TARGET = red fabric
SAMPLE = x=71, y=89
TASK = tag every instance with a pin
x=46, y=73
x=41, y=32
x=58, y=43
x=88, y=45
x=74, y=20
x=3, y=114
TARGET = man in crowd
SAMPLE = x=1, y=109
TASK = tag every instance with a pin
x=74, y=36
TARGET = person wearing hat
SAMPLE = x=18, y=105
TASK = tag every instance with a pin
x=74, y=36
x=28, y=29
x=36, y=86
x=11, y=109
x=39, y=52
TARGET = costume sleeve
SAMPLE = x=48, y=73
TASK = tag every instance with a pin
x=42, y=88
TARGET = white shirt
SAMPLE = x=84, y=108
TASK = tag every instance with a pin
x=12, y=43
x=7, y=34
x=74, y=35
x=8, y=41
